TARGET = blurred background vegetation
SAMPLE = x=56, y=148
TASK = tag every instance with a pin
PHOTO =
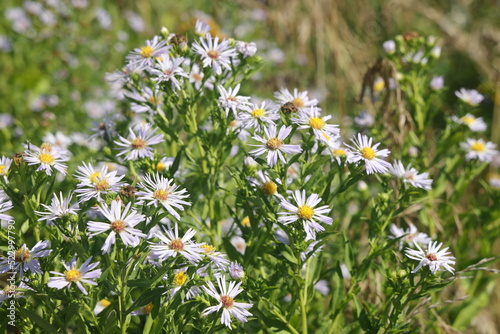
x=52, y=71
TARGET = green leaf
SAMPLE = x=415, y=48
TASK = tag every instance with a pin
x=42, y=323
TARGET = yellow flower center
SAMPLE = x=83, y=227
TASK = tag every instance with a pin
x=273, y=144
x=368, y=153
x=339, y=152
x=104, y=302
x=477, y=146
x=468, y=119
x=72, y=275
x=94, y=177
x=298, y=102
x=208, y=248
x=160, y=166
x=180, y=278
x=147, y=309
x=177, y=244
x=2, y=170
x=305, y=212
x=245, y=221
x=226, y=301
x=101, y=185
x=316, y=123
x=118, y=226
x=22, y=255
x=147, y=51
x=378, y=85
x=161, y=195
x=214, y=54
x=46, y=158
x=269, y=188
x=257, y=113
x=153, y=100
x=138, y=144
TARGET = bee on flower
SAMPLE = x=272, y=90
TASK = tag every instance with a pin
x=225, y=297
x=479, y=149
x=363, y=150
x=311, y=119
x=272, y=143
x=86, y=273
x=300, y=100
x=475, y=124
x=410, y=175
x=306, y=212
x=138, y=145
x=214, y=54
x=47, y=157
x=433, y=257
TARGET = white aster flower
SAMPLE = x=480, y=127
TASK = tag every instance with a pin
x=4, y=167
x=172, y=245
x=229, y=100
x=197, y=77
x=146, y=100
x=168, y=69
x=239, y=244
x=475, y=124
x=145, y=55
x=120, y=222
x=479, y=149
x=226, y=301
x=5, y=205
x=215, y=54
x=26, y=259
x=299, y=99
x=254, y=115
x=101, y=305
x=158, y=189
x=58, y=140
x=469, y=96
x=322, y=287
x=47, y=157
x=72, y=274
x=137, y=146
x=411, y=236
x=246, y=49
x=306, y=212
x=202, y=28
x=94, y=183
x=59, y=207
x=311, y=119
x=437, y=83
x=217, y=258
x=364, y=150
x=337, y=151
x=236, y=271
x=268, y=186
x=389, y=46
x=273, y=144
x=410, y=175
x=432, y=257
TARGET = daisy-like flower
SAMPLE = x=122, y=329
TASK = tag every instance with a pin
x=437, y=83
x=59, y=141
x=475, y=124
x=59, y=207
x=94, y=183
x=146, y=309
x=432, y=257
x=365, y=151
x=5, y=205
x=72, y=274
x=364, y=119
x=160, y=190
x=217, y=258
x=215, y=54
x=145, y=55
x=26, y=259
x=236, y=271
x=226, y=302
x=273, y=144
x=411, y=236
x=172, y=245
x=410, y=175
x=120, y=222
x=197, y=77
x=47, y=157
x=239, y=244
x=479, y=149
x=202, y=28
x=4, y=167
x=299, y=99
x=146, y=100
x=168, y=69
x=311, y=119
x=229, y=100
x=252, y=116
x=101, y=305
x=470, y=96
x=306, y=212
x=268, y=186
x=137, y=146
x=337, y=151
x=246, y=49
